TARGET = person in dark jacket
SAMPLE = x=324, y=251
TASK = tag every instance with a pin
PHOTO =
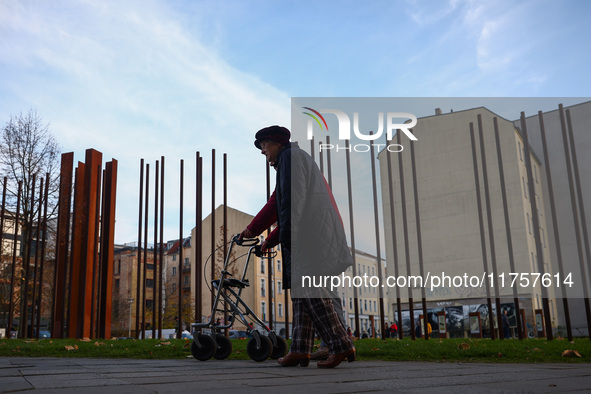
x=313, y=242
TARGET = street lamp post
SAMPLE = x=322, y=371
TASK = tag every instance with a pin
x=130, y=300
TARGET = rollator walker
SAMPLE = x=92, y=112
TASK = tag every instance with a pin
x=264, y=344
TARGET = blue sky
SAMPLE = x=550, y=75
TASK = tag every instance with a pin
x=142, y=79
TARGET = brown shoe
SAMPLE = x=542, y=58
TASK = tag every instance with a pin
x=293, y=359
x=320, y=354
x=335, y=359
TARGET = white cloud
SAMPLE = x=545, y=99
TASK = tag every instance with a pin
x=133, y=80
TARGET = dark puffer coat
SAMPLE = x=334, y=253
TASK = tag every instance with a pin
x=310, y=228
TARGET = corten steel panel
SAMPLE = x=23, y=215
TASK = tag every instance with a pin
x=76, y=288
x=90, y=236
x=107, y=249
x=65, y=196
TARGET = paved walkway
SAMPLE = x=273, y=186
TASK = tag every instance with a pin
x=60, y=375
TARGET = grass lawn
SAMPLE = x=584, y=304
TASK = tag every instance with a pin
x=465, y=350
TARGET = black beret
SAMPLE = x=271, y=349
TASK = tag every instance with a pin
x=275, y=133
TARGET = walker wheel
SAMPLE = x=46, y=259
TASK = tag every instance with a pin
x=224, y=347
x=281, y=349
x=207, y=349
x=263, y=352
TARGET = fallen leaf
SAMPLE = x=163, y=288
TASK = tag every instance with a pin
x=69, y=348
x=571, y=353
x=85, y=339
x=464, y=346
x=375, y=348
x=165, y=343
x=499, y=355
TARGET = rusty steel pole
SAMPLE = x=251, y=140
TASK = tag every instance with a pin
x=213, y=232
x=139, y=253
x=328, y=166
x=491, y=237
x=14, y=253
x=406, y=242
x=569, y=331
x=179, y=332
x=61, y=245
x=579, y=194
x=419, y=238
x=481, y=227
x=394, y=239
x=145, y=267
x=198, y=241
x=573, y=199
x=26, y=263
x=508, y=226
x=44, y=239
x=352, y=230
x=35, y=333
x=225, y=225
x=378, y=247
x=155, y=291
x=2, y=207
x=536, y=222
x=161, y=249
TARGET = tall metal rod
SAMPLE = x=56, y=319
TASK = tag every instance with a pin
x=569, y=331
x=225, y=225
x=406, y=242
x=213, y=232
x=155, y=289
x=312, y=148
x=199, y=242
x=507, y=227
x=352, y=230
x=97, y=263
x=536, y=223
x=145, y=267
x=34, y=313
x=269, y=260
x=139, y=253
x=378, y=246
x=579, y=196
x=179, y=332
x=61, y=245
x=419, y=238
x=573, y=200
x=321, y=157
x=328, y=164
x=26, y=263
x=394, y=239
x=2, y=214
x=14, y=252
x=197, y=317
x=481, y=228
x=491, y=236
x=161, y=248
x=44, y=239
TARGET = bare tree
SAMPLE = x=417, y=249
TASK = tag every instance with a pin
x=29, y=152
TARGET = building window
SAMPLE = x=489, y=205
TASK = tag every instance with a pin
x=263, y=288
x=263, y=310
x=173, y=288
x=116, y=285
x=350, y=303
x=278, y=265
x=536, y=173
x=174, y=257
x=280, y=309
x=279, y=287
x=150, y=283
x=520, y=150
x=262, y=266
x=186, y=280
x=524, y=187
x=173, y=271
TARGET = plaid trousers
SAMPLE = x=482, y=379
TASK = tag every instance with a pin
x=310, y=314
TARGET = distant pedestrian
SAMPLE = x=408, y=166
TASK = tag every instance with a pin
x=506, y=330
